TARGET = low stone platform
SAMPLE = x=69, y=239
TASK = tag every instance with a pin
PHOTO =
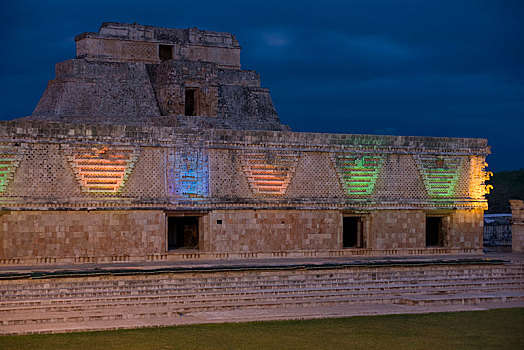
x=243, y=263
x=64, y=298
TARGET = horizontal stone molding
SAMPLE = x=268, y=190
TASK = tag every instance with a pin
x=188, y=255
x=41, y=132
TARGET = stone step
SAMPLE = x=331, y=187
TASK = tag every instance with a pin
x=121, y=298
x=137, y=312
x=166, y=296
x=268, y=280
x=63, y=292
x=231, y=279
x=167, y=300
x=461, y=299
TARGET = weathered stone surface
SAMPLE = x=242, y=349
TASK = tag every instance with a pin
x=55, y=234
x=517, y=226
x=113, y=161
x=119, y=77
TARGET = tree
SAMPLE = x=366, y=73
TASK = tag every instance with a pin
x=506, y=185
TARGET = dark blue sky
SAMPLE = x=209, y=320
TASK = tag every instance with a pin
x=431, y=68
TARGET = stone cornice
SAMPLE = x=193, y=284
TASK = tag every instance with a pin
x=25, y=131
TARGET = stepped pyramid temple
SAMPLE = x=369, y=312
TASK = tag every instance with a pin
x=154, y=144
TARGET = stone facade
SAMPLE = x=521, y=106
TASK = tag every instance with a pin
x=94, y=176
x=56, y=233
x=517, y=226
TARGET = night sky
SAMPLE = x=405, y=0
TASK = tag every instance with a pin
x=429, y=68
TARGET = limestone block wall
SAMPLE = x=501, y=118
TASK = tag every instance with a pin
x=99, y=89
x=137, y=93
x=117, y=50
x=125, y=42
x=273, y=230
x=46, y=162
x=466, y=229
x=34, y=234
x=397, y=229
x=517, y=226
x=228, y=185
x=224, y=56
x=271, y=191
x=171, y=78
x=315, y=176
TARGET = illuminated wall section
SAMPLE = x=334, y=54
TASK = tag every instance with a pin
x=102, y=169
x=439, y=174
x=358, y=173
x=9, y=161
x=269, y=172
x=477, y=176
x=188, y=174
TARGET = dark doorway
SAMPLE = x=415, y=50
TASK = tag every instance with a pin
x=190, y=102
x=165, y=52
x=352, y=232
x=434, y=232
x=182, y=232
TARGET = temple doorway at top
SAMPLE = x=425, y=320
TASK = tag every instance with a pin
x=190, y=102
x=182, y=232
x=165, y=52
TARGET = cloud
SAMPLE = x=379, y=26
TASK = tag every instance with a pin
x=275, y=39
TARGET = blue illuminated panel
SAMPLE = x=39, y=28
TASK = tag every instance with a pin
x=188, y=174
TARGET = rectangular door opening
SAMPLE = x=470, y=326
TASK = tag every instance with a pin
x=434, y=232
x=165, y=52
x=353, y=236
x=190, y=102
x=182, y=232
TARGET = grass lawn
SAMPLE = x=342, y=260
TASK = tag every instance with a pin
x=494, y=329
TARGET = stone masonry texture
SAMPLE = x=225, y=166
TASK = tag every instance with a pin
x=111, y=161
x=517, y=226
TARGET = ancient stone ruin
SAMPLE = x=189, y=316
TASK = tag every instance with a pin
x=154, y=144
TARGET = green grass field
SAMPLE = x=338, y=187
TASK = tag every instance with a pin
x=494, y=329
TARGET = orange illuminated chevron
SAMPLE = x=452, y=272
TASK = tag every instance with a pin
x=269, y=172
x=102, y=169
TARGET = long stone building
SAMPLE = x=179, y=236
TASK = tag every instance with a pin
x=154, y=144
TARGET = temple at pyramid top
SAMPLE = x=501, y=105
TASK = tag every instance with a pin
x=133, y=74
x=137, y=43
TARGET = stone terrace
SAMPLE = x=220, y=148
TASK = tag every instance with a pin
x=95, y=297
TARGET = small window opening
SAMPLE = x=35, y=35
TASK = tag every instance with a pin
x=190, y=102
x=219, y=222
x=353, y=236
x=434, y=232
x=165, y=52
x=182, y=232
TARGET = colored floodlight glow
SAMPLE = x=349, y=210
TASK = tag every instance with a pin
x=439, y=174
x=269, y=173
x=477, y=177
x=8, y=163
x=358, y=174
x=188, y=174
x=102, y=169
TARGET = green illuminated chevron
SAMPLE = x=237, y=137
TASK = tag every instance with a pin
x=358, y=174
x=439, y=174
x=8, y=163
